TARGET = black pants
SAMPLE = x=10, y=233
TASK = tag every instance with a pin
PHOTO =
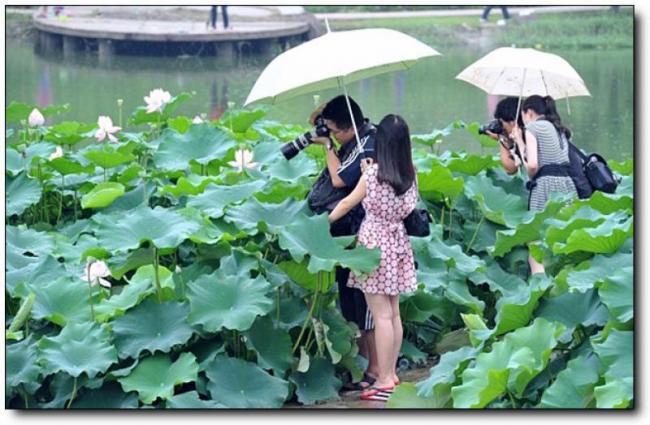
x=213, y=16
x=353, y=302
x=504, y=11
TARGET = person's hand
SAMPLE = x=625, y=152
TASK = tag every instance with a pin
x=321, y=140
x=365, y=163
x=515, y=134
x=316, y=113
x=492, y=135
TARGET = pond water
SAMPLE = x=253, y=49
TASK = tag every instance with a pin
x=428, y=95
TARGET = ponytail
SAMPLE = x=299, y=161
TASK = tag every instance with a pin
x=554, y=118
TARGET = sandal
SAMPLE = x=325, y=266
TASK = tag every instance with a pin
x=359, y=386
x=377, y=394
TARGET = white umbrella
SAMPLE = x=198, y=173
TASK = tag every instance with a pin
x=335, y=59
x=510, y=71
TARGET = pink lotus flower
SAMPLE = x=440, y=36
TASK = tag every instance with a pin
x=243, y=159
x=95, y=271
x=157, y=99
x=36, y=118
x=106, y=128
x=58, y=153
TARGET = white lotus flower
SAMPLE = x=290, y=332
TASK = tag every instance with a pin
x=157, y=99
x=95, y=272
x=106, y=128
x=243, y=159
x=36, y=118
x=197, y=120
x=58, y=153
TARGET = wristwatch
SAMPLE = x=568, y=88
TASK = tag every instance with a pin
x=329, y=146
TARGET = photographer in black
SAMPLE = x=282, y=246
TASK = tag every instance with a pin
x=336, y=181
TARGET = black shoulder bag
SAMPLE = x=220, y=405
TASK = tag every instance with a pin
x=597, y=171
x=417, y=222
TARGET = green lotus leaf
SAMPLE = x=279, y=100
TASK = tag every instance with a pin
x=215, y=198
x=61, y=387
x=68, y=166
x=515, y=310
x=530, y=229
x=192, y=184
x=617, y=293
x=293, y=311
x=253, y=214
x=608, y=203
x=21, y=240
x=23, y=273
x=272, y=345
x=457, y=291
x=201, y=143
x=131, y=199
x=151, y=326
x=102, y=195
x=438, y=183
x=294, y=170
x=299, y=274
x=210, y=231
x=478, y=330
x=239, y=263
x=319, y=383
x=191, y=400
x=17, y=111
x=107, y=157
x=86, y=246
x=405, y=396
x=238, y=384
x=432, y=272
x=22, y=365
x=180, y=123
x=62, y=301
x=69, y=132
x=419, y=306
x=337, y=335
x=276, y=192
x=573, y=388
x=310, y=235
x=622, y=167
x=232, y=302
x=452, y=255
x=471, y=164
x=140, y=287
x=155, y=377
x=240, y=120
x=109, y=396
x=78, y=348
x=496, y=204
x=572, y=309
x=121, y=263
x=14, y=162
x=22, y=192
x=125, y=230
x=511, y=364
x=590, y=273
x=617, y=355
x=485, y=141
x=446, y=372
x=437, y=135
x=606, y=238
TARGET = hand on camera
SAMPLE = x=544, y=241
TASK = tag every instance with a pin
x=321, y=140
x=318, y=111
x=492, y=135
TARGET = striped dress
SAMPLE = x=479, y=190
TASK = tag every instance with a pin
x=550, y=150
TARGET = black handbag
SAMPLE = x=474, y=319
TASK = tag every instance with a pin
x=599, y=174
x=417, y=222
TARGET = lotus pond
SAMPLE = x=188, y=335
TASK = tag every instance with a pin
x=171, y=269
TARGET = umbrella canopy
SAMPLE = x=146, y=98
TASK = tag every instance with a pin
x=510, y=71
x=335, y=59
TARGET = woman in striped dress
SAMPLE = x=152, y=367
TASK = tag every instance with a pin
x=545, y=143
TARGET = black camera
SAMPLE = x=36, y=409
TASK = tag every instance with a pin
x=291, y=149
x=493, y=126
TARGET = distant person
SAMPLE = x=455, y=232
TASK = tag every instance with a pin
x=504, y=12
x=213, y=17
x=218, y=104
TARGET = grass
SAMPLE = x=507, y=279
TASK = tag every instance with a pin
x=591, y=30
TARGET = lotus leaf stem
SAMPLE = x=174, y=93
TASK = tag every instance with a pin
x=309, y=315
x=155, y=272
x=74, y=393
x=90, y=293
x=471, y=241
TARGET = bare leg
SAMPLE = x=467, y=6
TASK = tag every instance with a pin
x=381, y=312
x=398, y=332
x=373, y=365
x=535, y=267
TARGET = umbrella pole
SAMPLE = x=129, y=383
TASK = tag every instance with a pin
x=521, y=94
x=356, y=132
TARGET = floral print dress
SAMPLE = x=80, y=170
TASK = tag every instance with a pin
x=383, y=228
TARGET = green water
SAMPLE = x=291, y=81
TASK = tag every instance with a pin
x=427, y=95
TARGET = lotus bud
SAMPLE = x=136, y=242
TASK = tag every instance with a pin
x=36, y=118
x=120, y=102
x=231, y=104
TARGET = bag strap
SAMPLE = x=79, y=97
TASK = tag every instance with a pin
x=580, y=154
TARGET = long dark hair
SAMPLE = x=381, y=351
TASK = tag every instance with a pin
x=393, y=151
x=546, y=106
x=507, y=110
